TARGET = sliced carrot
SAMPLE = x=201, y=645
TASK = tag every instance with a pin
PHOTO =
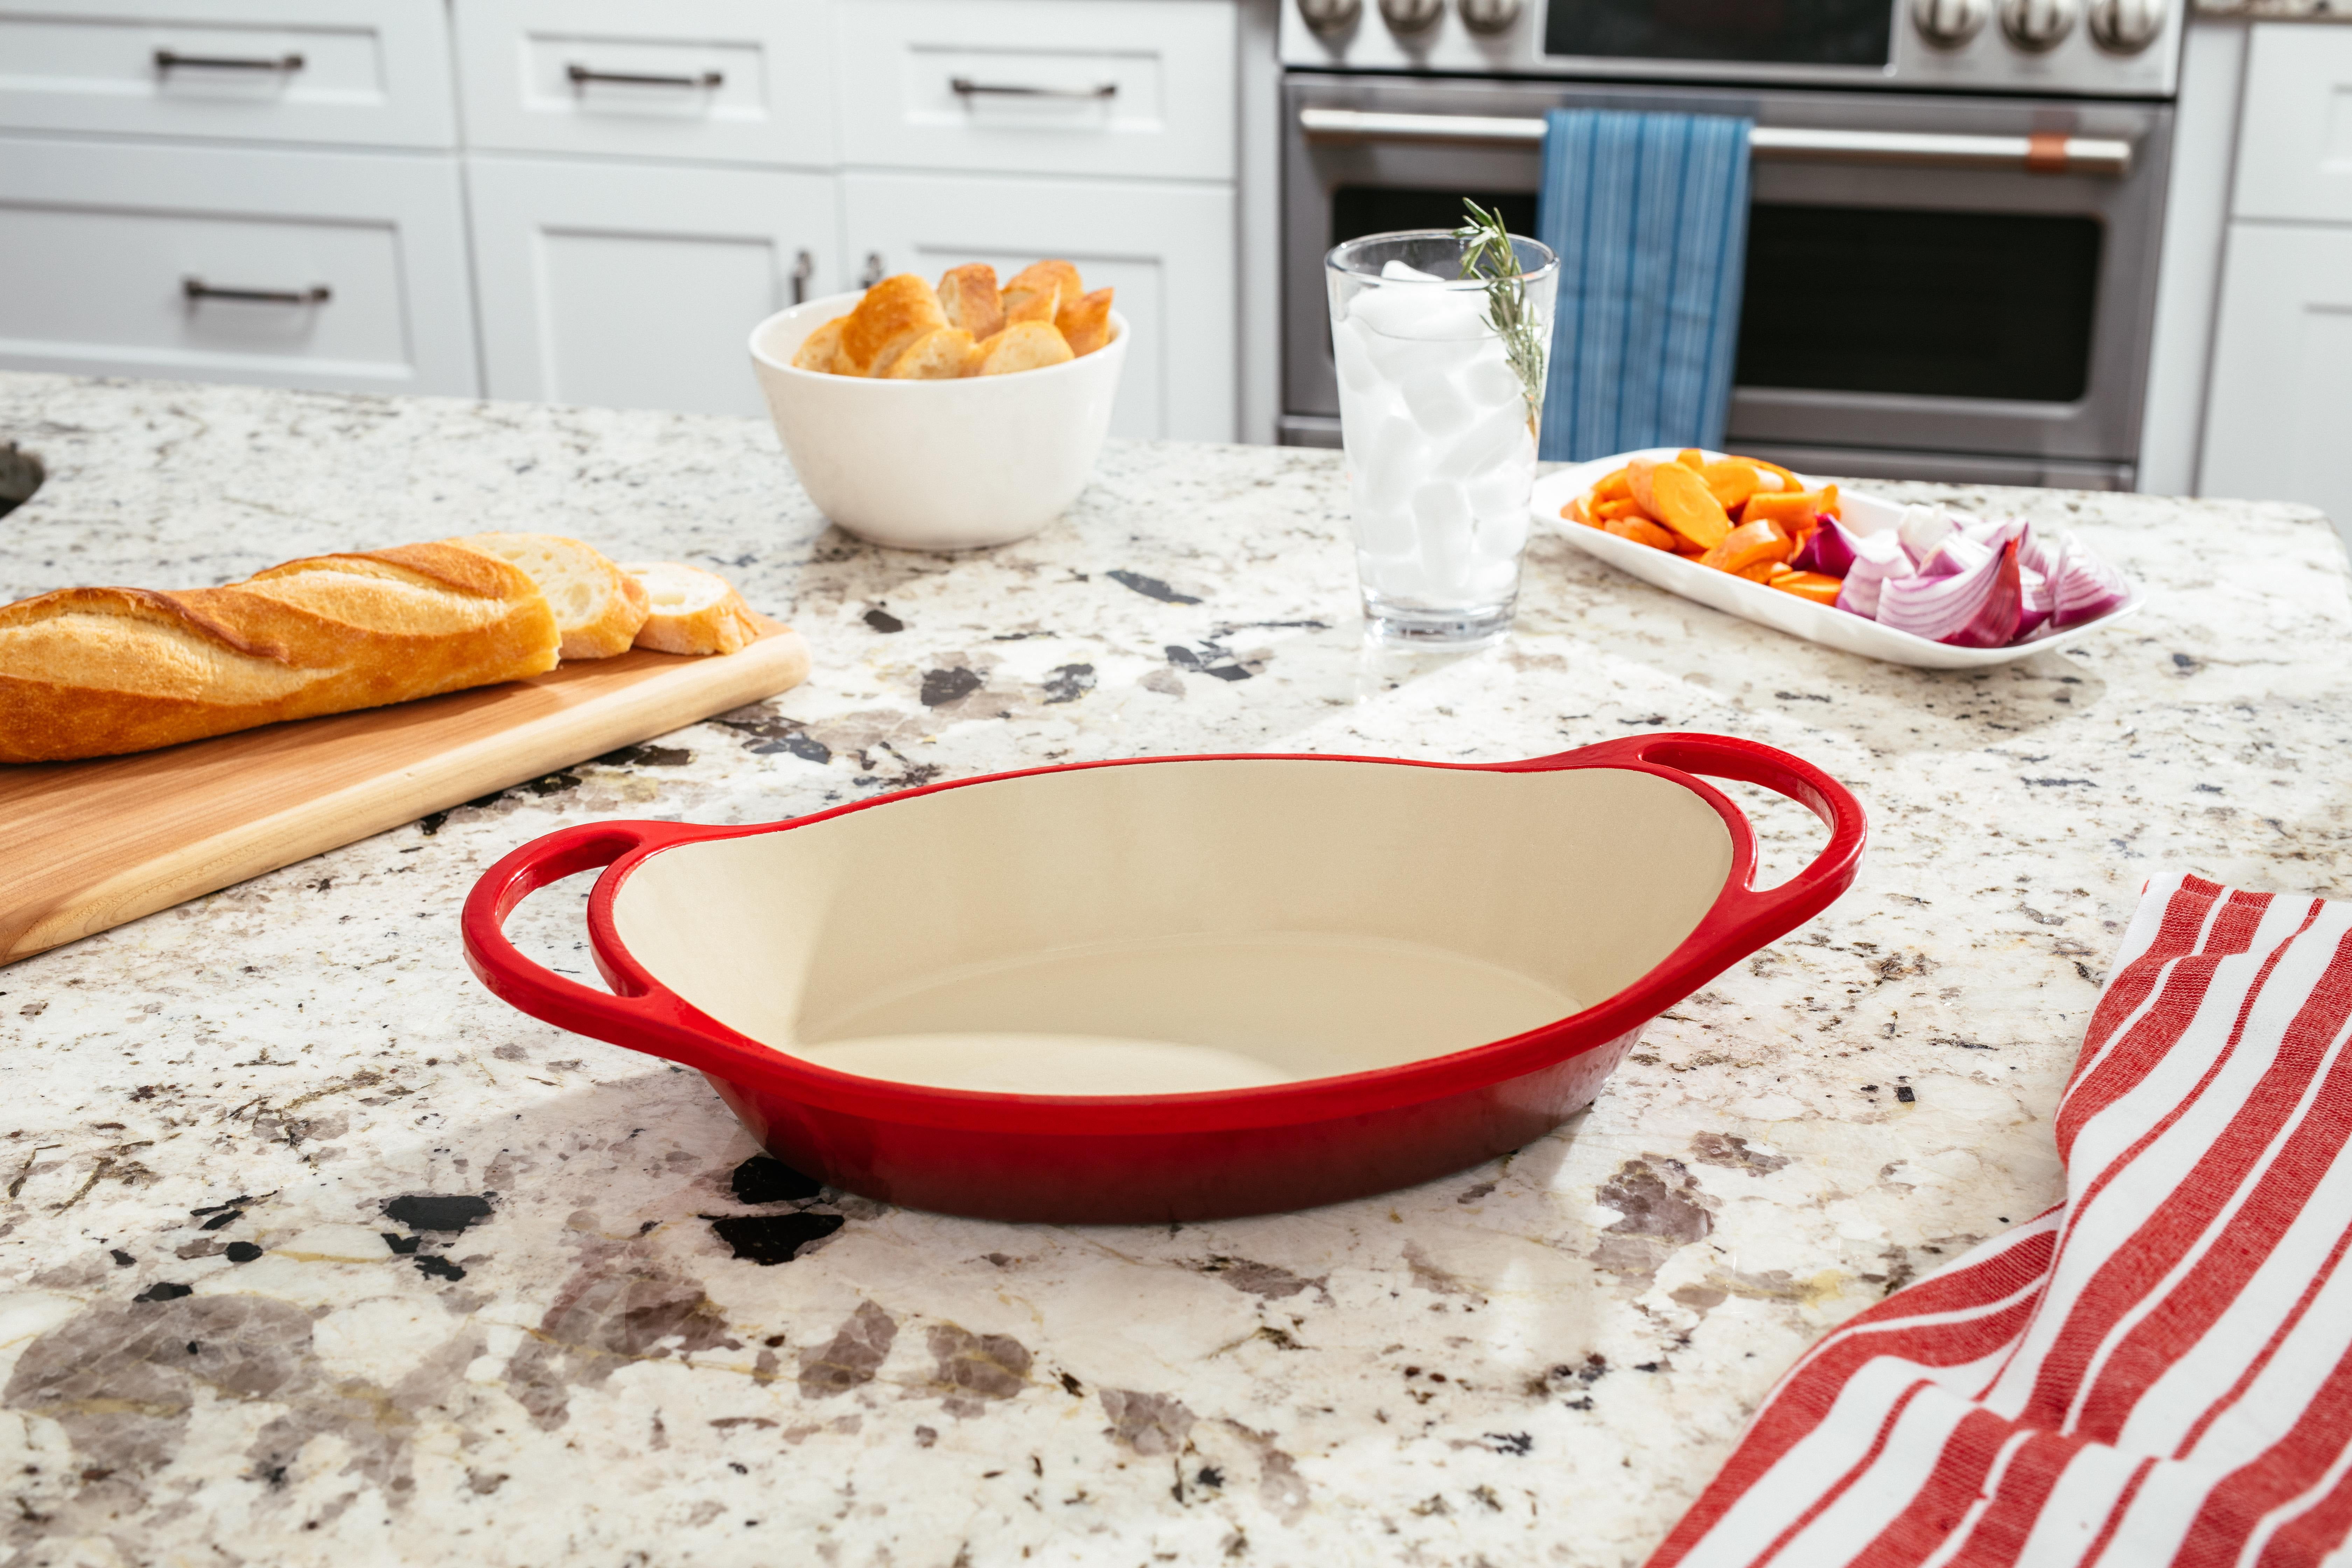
x=1574, y=512
x=1789, y=481
x=1829, y=507
x=1759, y=572
x=1638, y=474
x=1750, y=547
x=1640, y=530
x=1624, y=506
x=1691, y=458
x=1685, y=505
x=1820, y=587
x=1611, y=487
x=1792, y=510
x=1731, y=480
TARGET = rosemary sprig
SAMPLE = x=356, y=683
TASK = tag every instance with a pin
x=1487, y=253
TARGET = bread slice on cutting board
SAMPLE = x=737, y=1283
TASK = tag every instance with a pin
x=599, y=608
x=694, y=611
x=96, y=672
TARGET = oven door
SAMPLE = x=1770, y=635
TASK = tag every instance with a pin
x=1917, y=300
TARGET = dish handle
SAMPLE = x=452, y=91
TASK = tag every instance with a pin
x=1745, y=918
x=639, y=1017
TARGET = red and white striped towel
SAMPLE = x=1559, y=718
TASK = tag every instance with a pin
x=2157, y=1371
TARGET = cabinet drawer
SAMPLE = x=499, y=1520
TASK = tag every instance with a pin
x=366, y=73
x=1168, y=249
x=2294, y=148
x=635, y=287
x=327, y=271
x=735, y=81
x=1140, y=89
x=2282, y=369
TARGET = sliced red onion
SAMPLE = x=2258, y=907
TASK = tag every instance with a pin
x=1921, y=528
x=1978, y=607
x=1955, y=554
x=2035, y=597
x=2084, y=587
x=1879, y=558
x=1829, y=549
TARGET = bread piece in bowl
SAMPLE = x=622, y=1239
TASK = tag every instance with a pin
x=1038, y=290
x=968, y=296
x=941, y=355
x=694, y=611
x=1085, y=322
x=599, y=608
x=817, y=349
x=1024, y=345
x=893, y=314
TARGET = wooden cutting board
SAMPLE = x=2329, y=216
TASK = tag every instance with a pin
x=86, y=846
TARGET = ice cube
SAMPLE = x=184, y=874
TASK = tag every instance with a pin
x=1501, y=492
x=1353, y=357
x=1397, y=358
x=1502, y=535
x=1436, y=403
x=1398, y=270
x=1441, y=515
x=1383, y=525
x=1496, y=435
x=1419, y=310
x=1490, y=381
x=1396, y=459
x=1492, y=581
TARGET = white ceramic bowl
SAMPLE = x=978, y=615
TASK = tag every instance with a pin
x=937, y=465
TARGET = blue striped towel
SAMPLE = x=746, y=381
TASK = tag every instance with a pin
x=1649, y=215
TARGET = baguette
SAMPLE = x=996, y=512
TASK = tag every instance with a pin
x=694, y=611
x=598, y=608
x=95, y=672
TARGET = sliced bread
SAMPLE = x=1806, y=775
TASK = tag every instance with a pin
x=694, y=611
x=599, y=608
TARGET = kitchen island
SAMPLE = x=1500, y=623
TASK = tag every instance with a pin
x=315, y=1252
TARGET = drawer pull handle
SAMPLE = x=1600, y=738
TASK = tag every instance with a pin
x=168, y=59
x=964, y=87
x=583, y=74
x=317, y=294
x=875, y=270
x=804, y=268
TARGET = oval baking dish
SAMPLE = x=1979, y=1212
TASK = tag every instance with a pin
x=1174, y=988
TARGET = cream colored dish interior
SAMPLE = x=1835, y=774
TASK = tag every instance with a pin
x=1173, y=927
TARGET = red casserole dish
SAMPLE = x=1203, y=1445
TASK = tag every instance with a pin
x=1174, y=988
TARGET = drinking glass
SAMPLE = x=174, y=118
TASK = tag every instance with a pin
x=1440, y=387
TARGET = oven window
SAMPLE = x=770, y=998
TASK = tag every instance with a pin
x=1936, y=304
x=1779, y=32
x=1359, y=210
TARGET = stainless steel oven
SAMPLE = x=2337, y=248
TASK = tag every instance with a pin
x=1951, y=268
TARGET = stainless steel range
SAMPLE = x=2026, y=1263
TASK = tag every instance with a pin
x=1952, y=246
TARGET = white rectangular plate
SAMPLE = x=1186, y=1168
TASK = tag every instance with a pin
x=1823, y=624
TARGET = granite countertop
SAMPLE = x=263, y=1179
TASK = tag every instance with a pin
x=314, y=1249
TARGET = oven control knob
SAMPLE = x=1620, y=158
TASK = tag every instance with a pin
x=1489, y=16
x=1330, y=16
x=2038, y=25
x=1411, y=15
x=2126, y=27
x=1948, y=24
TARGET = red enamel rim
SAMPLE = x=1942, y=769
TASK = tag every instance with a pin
x=644, y=1014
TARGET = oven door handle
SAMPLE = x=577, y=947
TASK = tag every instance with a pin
x=2042, y=153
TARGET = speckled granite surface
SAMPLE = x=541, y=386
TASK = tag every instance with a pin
x=313, y=1252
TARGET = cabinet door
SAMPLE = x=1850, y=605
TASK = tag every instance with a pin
x=1138, y=89
x=372, y=73
x=340, y=271
x=1168, y=249
x=635, y=286
x=2278, y=413
x=738, y=81
x=2295, y=147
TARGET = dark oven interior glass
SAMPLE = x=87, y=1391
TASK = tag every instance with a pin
x=1934, y=303
x=1769, y=32
x=1359, y=210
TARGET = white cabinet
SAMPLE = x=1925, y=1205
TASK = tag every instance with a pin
x=363, y=72
x=2294, y=146
x=333, y=270
x=745, y=81
x=2278, y=416
x=1139, y=90
x=635, y=286
x=1167, y=248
